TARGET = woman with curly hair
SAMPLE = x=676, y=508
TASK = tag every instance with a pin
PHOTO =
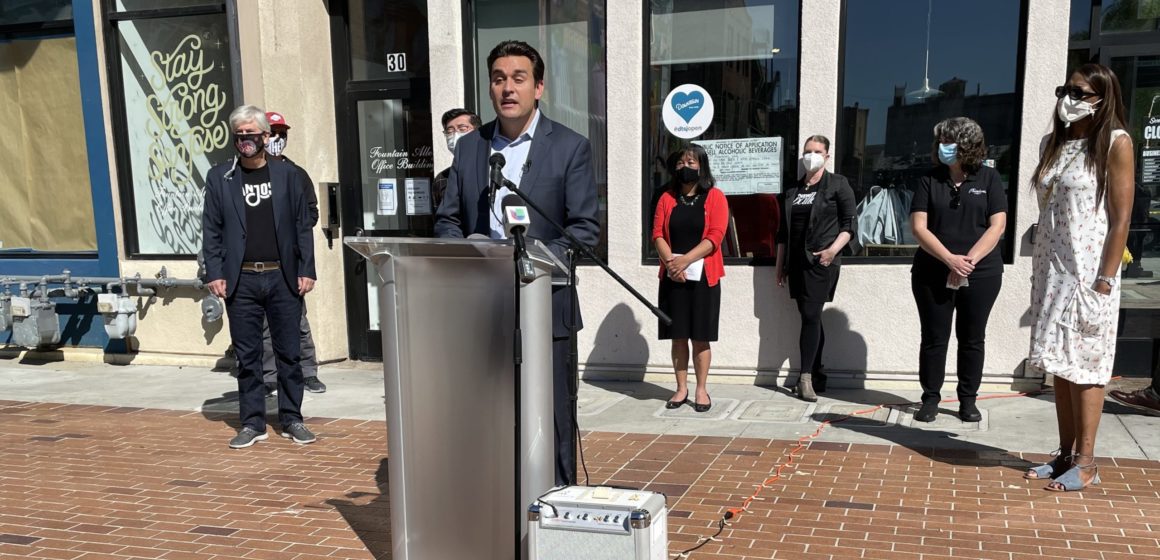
x=958, y=214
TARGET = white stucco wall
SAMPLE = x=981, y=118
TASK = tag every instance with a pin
x=445, y=28
x=872, y=325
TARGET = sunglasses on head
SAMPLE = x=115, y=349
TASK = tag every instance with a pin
x=1076, y=93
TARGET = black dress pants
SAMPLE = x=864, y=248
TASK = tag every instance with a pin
x=265, y=297
x=563, y=406
x=937, y=306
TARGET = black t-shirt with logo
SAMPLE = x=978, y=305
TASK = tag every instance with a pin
x=981, y=196
x=258, y=194
x=802, y=207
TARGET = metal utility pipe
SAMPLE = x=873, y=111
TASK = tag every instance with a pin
x=164, y=282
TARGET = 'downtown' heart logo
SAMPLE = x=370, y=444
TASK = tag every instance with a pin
x=687, y=105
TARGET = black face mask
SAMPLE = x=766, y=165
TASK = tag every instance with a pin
x=688, y=175
x=248, y=145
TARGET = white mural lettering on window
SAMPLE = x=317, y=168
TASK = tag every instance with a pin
x=177, y=90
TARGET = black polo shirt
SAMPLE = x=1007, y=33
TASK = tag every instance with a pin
x=981, y=196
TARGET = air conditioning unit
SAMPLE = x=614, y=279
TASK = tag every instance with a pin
x=598, y=523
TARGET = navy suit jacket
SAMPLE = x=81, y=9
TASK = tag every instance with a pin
x=559, y=179
x=223, y=224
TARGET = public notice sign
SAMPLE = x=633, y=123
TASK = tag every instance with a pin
x=746, y=165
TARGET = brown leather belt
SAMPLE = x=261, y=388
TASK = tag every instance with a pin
x=260, y=266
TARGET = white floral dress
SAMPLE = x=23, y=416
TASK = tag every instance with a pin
x=1073, y=333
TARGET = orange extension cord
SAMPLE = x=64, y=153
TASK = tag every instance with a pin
x=735, y=512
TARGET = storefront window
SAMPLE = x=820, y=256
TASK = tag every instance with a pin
x=44, y=172
x=42, y=11
x=385, y=43
x=1129, y=16
x=1081, y=20
x=906, y=65
x=134, y=5
x=570, y=36
x=176, y=93
x=1140, y=79
x=728, y=73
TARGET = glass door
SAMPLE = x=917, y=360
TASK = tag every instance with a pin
x=386, y=193
x=1138, y=69
x=386, y=162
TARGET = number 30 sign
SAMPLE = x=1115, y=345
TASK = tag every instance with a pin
x=396, y=62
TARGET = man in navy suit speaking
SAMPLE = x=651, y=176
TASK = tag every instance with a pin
x=551, y=165
x=259, y=258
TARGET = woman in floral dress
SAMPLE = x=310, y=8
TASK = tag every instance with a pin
x=1084, y=183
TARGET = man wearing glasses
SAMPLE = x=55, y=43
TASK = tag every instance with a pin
x=457, y=123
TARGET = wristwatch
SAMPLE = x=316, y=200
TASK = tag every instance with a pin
x=1109, y=280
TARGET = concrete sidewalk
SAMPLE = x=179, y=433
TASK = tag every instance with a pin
x=1010, y=422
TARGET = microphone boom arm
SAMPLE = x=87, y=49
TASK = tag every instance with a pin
x=587, y=252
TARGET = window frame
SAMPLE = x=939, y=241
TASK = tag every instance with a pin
x=646, y=167
x=103, y=260
x=110, y=17
x=1007, y=243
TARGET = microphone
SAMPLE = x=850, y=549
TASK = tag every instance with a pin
x=496, y=162
x=516, y=222
x=515, y=215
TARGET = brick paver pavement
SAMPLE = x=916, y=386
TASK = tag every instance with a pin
x=107, y=482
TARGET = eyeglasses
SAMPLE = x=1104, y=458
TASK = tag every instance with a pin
x=954, y=199
x=465, y=128
x=1076, y=93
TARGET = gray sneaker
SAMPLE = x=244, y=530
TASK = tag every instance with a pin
x=298, y=432
x=247, y=437
x=314, y=385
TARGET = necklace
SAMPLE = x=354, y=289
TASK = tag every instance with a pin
x=1051, y=183
x=687, y=201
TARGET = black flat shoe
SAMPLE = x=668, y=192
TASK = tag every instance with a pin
x=968, y=412
x=703, y=407
x=927, y=413
x=677, y=404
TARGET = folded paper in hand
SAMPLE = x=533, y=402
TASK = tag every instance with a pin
x=693, y=271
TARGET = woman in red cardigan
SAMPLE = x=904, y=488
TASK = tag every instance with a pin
x=687, y=230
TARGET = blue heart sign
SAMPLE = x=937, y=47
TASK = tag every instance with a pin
x=687, y=111
x=687, y=105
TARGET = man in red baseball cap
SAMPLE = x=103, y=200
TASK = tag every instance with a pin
x=279, y=132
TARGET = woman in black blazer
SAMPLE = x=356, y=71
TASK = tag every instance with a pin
x=818, y=217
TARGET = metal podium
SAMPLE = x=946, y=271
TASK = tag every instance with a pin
x=447, y=314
